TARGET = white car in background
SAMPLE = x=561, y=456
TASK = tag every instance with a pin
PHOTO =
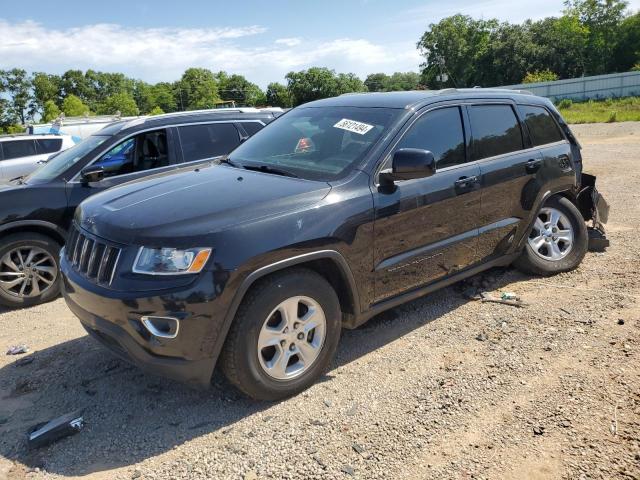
x=22, y=154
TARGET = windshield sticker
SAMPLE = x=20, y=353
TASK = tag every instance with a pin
x=353, y=126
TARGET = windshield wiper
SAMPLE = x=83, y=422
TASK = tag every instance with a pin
x=226, y=160
x=18, y=179
x=270, y=169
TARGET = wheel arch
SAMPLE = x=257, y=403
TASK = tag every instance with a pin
x=37, y=226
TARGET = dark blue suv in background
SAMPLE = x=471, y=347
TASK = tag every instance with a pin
x=338, y=210
x=36, y=211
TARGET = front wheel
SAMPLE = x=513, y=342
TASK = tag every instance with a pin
x=28, y=270
x=284, y=335
x=558, y=240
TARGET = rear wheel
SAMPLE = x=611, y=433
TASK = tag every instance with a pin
x=29, y=272
x=284, y=335
x=558, y=240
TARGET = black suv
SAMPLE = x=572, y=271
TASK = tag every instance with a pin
x=36, y=211
x=338, y=210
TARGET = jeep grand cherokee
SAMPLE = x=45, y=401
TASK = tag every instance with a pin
x=336, y=211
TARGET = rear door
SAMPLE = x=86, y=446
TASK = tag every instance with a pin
x=510, y=170
x=427, y=228
x=204, y=141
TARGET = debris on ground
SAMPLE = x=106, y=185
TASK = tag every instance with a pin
x=508, y=296
x=24, y=361
x=17, y=350
x=47, y=433
x=515, y=302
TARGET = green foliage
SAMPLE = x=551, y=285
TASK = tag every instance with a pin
x=72, y=106
x=320, y=82
x=610, y=110
x=540, y=76
x=50, y=111
x=240, y=90
x=119, y=102
x=197, y=89
x=278, y=96
x=627, y=50
x=565, y=103
x=636, y=68
x=156, y=111
x=17, y=84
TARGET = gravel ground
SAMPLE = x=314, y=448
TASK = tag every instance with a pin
x=442, y=387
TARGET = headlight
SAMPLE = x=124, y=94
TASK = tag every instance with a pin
x=170, y=261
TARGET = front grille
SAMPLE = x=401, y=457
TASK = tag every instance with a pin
x=91, y=257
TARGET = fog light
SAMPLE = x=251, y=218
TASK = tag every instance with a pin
x=163, y=327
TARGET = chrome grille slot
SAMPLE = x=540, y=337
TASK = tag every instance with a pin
x=91, y=257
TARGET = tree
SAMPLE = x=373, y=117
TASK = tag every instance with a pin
x=50, y=111
x=156, y=111
x=197, y=89
x=602, y=19
x=74, y=82
x=164, y=96
x=46, y=88
x=72, y=106
x=320, y=82
x=239, y=89
x=17, y=85
x=540, y=76
x=119, y=102
x=377, y=82
x=627, y=49
x=456, y=46
x=381, y=82
x=278, y=96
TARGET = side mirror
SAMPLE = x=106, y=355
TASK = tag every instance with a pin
x=407, y=164
x=92, y=173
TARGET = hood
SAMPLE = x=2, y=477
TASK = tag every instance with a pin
x=176, y=209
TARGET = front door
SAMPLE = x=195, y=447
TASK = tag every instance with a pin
x=427, y=228
x=133, y=158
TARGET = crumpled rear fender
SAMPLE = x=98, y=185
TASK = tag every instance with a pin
x=591, y=203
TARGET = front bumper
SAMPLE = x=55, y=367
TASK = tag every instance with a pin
x=114, y=319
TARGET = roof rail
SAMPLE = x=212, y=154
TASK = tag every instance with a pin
x=446, y=91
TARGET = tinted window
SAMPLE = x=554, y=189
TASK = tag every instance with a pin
x=441, y=133
x=317, y=143
x=495, y=130
x=251, y=127
x=207, y=141
x=136, y=154
x=48, y=145
x=542, y=127
x=18, y=148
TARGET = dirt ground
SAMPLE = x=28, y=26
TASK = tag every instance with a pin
x=443, y=387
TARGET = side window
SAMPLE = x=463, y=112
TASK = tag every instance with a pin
x=48, y=145
x=18, y=148
x=440, y=132
x=495, y=130
x=207, y=141
x=252, y=127
x=136, y=154
x=542, y=128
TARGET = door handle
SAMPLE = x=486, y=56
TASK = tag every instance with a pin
x=465, y=182
x=533, y=165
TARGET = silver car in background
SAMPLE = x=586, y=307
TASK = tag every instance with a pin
x=22, y=154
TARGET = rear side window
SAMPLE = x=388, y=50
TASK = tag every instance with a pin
x=542, y=128
x=440, y=132
x=252, y=127
x=208, y=141
x=495, y=130
x=48, y=145
x=18, y=148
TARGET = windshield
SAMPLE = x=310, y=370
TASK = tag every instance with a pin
x=65, y=160
x=316, y=143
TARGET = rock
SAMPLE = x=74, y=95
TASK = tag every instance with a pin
x=137, y=473
x=538, y=430
x=328, y=403
x=620, y=321
x=250, y=475
x=17, y=350
x=358, y=448
x=482, y=337
x=348, y=469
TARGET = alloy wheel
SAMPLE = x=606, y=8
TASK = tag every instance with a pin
x=552, y=235
x=27, y=271
x=292, y=338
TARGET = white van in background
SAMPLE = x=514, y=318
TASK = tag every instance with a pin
x=77, y=127
x=22, y=154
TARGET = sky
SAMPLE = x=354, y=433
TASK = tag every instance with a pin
x=157, y=40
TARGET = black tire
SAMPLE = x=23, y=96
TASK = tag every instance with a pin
x=239, y=359
x=530, y=262
x=30, y=240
